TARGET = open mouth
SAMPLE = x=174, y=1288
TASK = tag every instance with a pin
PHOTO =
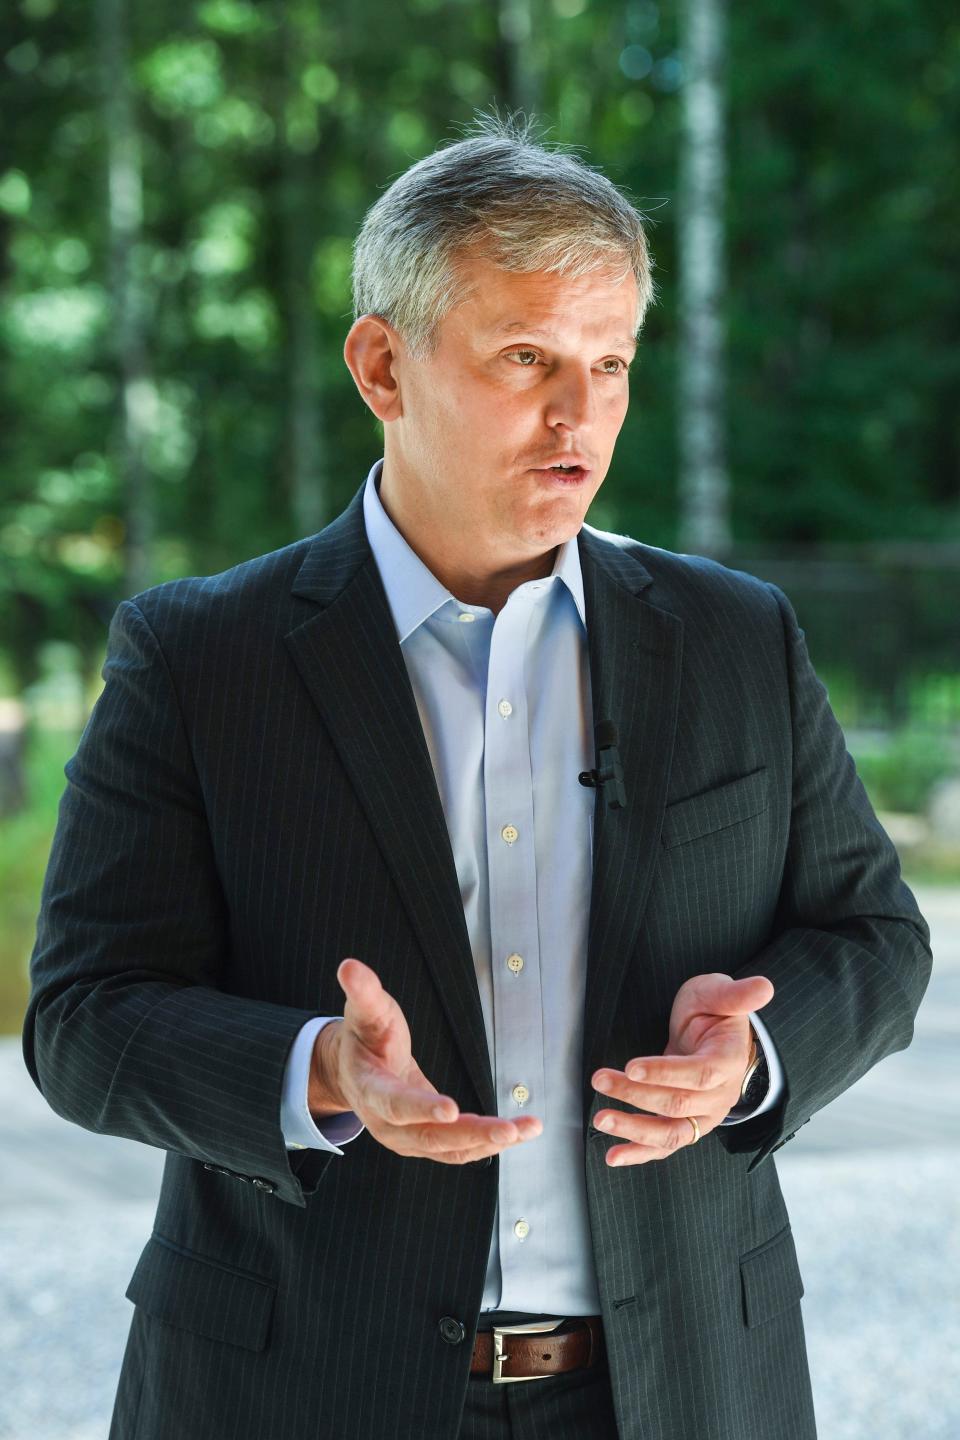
x=563, y=474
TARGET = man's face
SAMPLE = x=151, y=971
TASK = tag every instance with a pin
x=531, y=368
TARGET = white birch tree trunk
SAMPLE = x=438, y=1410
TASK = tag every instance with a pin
x=305, y=449
x=704, y=483
x=518, y=45
x=127, y=293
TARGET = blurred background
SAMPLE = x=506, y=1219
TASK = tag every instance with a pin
x=180, y=186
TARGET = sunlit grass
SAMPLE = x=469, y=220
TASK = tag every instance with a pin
x=25, y=841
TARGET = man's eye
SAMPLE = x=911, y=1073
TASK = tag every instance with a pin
x=620, y=367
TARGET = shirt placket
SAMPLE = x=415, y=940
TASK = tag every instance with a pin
x=514, y=931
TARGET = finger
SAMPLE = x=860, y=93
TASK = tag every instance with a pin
x=371, y=1013
x=719, y=994
x=756, y=989
x=400, y=1104
x=687, y=1072
x=619, y=1155
x=639, y=1152
x=659, y=1099
x=358, y=981
x=486, y=1130
x=664, y=1136
x=473, y=1155
x=413, y=1108
x=472, y=1136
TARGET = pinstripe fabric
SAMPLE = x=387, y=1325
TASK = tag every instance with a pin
x=578, y=1405
x=252, y=800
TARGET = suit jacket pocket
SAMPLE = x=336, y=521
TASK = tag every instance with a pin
x=202, y=1296
x=770, y=1278
x=716, y=809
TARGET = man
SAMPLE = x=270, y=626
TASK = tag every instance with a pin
x=417, y=887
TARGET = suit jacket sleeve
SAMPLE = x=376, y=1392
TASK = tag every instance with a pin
x=851, y=957
x=131, y=1028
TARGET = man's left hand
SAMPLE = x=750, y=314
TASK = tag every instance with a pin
x=700, y=1072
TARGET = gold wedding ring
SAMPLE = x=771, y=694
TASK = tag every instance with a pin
x=696, y=1129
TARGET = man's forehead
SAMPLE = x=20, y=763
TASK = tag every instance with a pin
x=501, y=302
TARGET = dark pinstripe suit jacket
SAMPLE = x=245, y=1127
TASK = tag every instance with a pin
x=253, y=799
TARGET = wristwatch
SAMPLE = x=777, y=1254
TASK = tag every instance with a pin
x=757, y=1079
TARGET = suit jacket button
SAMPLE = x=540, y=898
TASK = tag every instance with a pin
x=452, y=1330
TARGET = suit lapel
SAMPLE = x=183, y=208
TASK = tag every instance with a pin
x=354, y=669
x=635, y=657
x=349, y=659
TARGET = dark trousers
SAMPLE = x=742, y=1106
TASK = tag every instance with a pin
x=576, y=1405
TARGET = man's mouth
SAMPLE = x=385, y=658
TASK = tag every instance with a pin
x=563, y=474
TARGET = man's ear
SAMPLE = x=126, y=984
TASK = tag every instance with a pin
x=370, y=349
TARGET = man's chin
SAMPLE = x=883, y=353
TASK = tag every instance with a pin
x=551, y=529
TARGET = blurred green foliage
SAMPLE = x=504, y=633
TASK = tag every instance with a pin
x=261, y=128
x=902, y=769
x=262, y=132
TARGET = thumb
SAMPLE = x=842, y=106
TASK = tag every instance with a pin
x=368, y=1002
x=722, y=995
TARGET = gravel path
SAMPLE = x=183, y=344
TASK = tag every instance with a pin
x=872, y=1185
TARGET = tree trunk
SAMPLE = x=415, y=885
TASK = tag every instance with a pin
x=704, y=483
x=127, y=295
x=298, y=187
x=515, y=69
x=13, y=734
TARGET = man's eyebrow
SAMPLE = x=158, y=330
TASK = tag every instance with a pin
x=510, y=326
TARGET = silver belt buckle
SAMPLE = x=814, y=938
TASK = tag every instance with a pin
x=535, y=1327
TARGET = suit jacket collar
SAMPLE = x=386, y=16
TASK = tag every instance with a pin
x=351, y=663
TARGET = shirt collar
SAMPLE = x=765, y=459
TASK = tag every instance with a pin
x=413, y=591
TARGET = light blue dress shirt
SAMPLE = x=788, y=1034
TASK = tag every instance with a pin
x=506, y=709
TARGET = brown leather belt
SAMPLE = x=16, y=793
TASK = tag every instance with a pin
x=535, y=1351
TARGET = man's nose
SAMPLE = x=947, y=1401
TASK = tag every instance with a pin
x=573, y=399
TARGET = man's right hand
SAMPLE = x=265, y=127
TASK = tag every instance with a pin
x=364, y=1063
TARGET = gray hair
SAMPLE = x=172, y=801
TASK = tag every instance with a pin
x=500, y=195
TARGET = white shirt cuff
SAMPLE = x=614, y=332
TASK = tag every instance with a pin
x=775, y=1069
x=300, y=1130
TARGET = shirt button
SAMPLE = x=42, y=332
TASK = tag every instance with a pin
x=515, y=963
x=510, y=833
x=465, y=617
x=521, y=1229
x=520, y=1093
x=505, y=708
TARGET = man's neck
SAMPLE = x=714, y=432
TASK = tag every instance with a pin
x=493, y=590
x=471, y=583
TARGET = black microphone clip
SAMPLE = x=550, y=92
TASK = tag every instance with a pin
x=609, y=769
